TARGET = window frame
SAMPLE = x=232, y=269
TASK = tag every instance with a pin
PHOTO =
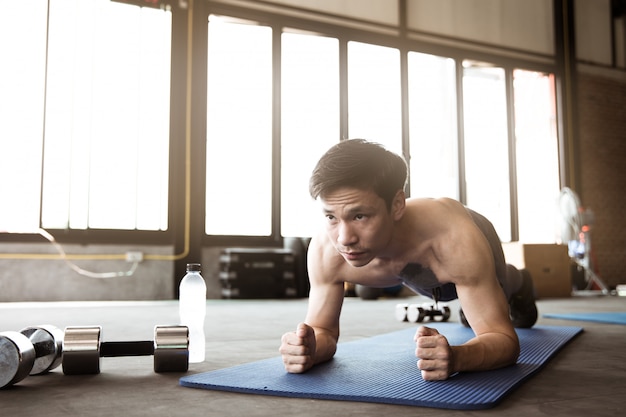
x=136, y=236
x=405, y=45
x=187, y=118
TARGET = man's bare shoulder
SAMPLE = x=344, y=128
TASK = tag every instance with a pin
x=324, y=262
x=435, y=204
x=433, y=217
x=447, y=229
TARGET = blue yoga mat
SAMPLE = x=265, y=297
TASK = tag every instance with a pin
x=612, y=318
x=383, y=369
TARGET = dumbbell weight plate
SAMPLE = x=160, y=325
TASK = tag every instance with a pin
x=81, y=350
x=445, y=313
x=48, y=343
x=17, y=357
x=171, y=349
x=401, y=311
x=412, y=313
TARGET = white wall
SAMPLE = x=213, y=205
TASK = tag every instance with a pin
x=593, y=31
x=525, y=25
x=53, y=280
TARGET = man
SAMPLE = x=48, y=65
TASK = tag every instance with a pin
x=375, y=237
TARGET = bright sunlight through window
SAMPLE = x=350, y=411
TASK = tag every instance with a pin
x=239, y=129
x=432, y=126
x=374, y=99
x=486, y=145
x=310, y=123
x=537, y=155
x=106, y=131
x=22, y=76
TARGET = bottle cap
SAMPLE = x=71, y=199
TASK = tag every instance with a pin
x=193, y=268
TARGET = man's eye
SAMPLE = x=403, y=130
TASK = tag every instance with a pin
x=359, y=217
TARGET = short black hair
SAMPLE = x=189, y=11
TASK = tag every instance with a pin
x=360, y=164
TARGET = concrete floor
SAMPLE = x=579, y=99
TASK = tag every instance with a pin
x=586, y=378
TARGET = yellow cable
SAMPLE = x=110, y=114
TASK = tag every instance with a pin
x=187, y=223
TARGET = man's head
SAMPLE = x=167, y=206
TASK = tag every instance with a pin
x=357, y=163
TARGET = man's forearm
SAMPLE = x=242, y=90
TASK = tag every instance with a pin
x=485, y=352
x=325, y=345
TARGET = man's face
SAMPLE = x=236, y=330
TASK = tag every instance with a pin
x=357, y=223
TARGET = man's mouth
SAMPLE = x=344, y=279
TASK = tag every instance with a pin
x=352, y=255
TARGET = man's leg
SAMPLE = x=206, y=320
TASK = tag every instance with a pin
x=522, y=307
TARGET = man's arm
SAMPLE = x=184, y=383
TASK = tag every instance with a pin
x=315, y=340
x=494, y=346
x=465, y=258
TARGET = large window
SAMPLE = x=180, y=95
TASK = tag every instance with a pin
x=103, y=116
x=22, y=76
x=374, y=99
x=491, y=184
x=441, y=153
x=487, y=145
x=432, y=126
x=537, y=155
x=85, y=122
x=310, y=123
x=239, y=129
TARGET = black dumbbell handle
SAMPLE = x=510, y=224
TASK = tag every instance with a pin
x=113, y=349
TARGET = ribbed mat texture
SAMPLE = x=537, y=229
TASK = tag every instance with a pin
x=382, y=369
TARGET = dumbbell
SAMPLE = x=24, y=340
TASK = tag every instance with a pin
x=401, y=311
x=415, y=313
x=31, y=351
x=83, y=348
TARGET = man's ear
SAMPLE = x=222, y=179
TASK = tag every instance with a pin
x=398, y=205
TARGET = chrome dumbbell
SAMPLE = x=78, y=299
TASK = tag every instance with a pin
x=415, y=313
x=83, y=348
x=32, y=351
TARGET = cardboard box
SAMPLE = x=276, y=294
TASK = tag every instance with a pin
x=548, y=264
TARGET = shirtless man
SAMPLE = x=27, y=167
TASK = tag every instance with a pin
x=376, y=237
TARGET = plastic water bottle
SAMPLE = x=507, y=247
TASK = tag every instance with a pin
x=192, y=310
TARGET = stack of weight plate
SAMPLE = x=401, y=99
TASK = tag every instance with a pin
x=258, y=273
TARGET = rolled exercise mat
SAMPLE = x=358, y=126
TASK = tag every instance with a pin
x=382, y=369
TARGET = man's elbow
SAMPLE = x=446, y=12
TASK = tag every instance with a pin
x=514, y=352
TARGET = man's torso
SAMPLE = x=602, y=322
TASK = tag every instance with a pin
x=427, y=232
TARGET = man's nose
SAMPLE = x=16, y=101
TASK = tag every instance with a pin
x=346, y=236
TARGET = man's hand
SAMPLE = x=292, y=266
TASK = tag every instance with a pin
x=434, y=353
x=298, y=349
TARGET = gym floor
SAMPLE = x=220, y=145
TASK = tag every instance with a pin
x=586, y=378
